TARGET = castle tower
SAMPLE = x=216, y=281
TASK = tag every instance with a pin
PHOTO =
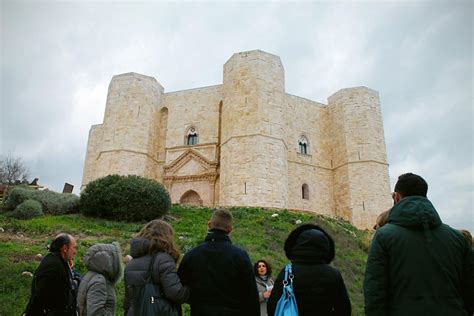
x=253, y=166
x=124, y=143
x=359, y=159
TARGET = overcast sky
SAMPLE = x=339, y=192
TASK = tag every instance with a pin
x=57, y=60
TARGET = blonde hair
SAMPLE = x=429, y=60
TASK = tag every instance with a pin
x=160, y=235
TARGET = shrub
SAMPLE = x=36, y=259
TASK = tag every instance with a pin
x=16, y=196
x=28, y=209
x=129, y=198
x=52, y=202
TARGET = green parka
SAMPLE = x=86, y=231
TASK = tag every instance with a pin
x=418, y=266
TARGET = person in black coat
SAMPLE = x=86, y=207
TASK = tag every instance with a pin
x=53, y=292
x=319, y=288
x=220, y=274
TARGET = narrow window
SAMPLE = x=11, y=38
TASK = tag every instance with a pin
x=305, y=191
x=192, y=138
x=303, y=145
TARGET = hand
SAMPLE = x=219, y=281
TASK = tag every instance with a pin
x=266, y=294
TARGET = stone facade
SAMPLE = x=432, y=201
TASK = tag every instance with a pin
x=247, y=142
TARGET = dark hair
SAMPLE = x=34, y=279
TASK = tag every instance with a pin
x=59, y=241
x=269, y=267
x=410, y=184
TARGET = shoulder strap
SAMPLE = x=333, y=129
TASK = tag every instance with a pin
x=150, y=267
x=288, y=275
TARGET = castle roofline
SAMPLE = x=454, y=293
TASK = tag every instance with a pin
x=191, y=89
x=254, y=52
x=136, y=76
x=350, y=90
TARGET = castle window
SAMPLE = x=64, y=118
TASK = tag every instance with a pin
x=192, y=137
x=303, y=145
x=305, y=191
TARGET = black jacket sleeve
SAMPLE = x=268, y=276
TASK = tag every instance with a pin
x=343, y=305
x=249, y=291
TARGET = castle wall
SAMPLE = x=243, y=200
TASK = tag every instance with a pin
x=247, y=152
x=93, y=149
x=253, y=149
x=310, y=119
x=359, y=156
x=194, y=107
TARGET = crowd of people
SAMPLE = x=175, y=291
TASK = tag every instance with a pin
x=416, y=266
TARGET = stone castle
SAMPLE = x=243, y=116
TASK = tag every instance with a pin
x=247, y=142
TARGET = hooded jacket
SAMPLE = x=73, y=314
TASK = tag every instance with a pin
x=96, y=295
x=417, y=265
x=163, y=273
x=319, y=288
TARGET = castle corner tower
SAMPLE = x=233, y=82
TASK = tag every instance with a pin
x=254, y=168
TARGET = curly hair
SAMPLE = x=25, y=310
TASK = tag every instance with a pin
x=160, y=235
x=269, y=268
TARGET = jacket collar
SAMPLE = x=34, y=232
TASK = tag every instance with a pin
x=217, y=235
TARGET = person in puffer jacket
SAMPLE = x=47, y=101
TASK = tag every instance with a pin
x=417, y=265
x=96, y=294
x=155, y=239
x=319, y=288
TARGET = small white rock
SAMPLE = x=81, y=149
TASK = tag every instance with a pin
x=27, y=273
x=2, y=230
x=181, y=237
x=39, y=257
x=298, y=221
x=275, y=215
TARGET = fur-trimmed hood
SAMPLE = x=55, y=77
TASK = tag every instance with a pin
x=309, y=243
x=105, y=259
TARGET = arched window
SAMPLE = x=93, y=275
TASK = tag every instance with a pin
x=303, y=145
x=305, y=191
x=192, y=137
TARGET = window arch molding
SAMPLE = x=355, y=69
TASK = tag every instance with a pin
x=191, y=136
x=303, y=145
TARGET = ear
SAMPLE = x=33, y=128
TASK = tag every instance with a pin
x=209, y=225
x=396, y=197
x=63, y=249
x=230, y=229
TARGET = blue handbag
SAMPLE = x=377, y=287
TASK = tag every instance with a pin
x=286, y=305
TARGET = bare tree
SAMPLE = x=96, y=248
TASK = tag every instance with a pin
x=12, y=170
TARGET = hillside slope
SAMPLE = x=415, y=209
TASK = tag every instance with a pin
x=255, y=230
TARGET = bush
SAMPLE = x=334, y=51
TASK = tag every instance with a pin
x=129, y=198
x=28, y=209
x=52, y=202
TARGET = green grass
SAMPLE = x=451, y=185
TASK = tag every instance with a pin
x=255, y=230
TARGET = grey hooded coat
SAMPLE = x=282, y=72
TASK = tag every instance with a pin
x=96, y=295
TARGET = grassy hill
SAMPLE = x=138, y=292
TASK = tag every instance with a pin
x=256, y=231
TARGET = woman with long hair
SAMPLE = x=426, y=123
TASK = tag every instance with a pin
x=154, y=244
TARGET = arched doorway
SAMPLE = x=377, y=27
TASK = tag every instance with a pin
x=191, y=197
